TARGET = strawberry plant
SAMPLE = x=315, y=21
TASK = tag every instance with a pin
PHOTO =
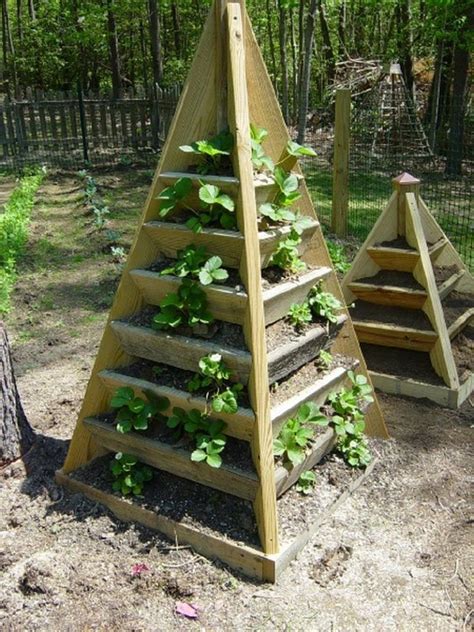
x=338, y=256
x=288, y=187
x=295, y=436
x=306, y=483
x=260, y=160
x=294, y=149
x=325, y=358
x=194, y=262
x=286, y=255
x=206, y=433
x=211, y=151
x=323, y=304
x=215, y=376
x=217, y=208
x=187, y=306
x=172, y=195
x=300, y=315
x=130, y=475
x=135, y=413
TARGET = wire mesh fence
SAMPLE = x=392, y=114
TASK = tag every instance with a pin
x=387, y=138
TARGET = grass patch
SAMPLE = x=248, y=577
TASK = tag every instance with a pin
x=14, y=232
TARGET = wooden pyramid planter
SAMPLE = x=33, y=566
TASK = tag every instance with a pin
x=414, y=303
x=228, y=87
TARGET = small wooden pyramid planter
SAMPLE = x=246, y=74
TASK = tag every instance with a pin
x=413, y=303
x=228, y=87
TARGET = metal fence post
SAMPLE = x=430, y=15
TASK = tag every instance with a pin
x=340, y=189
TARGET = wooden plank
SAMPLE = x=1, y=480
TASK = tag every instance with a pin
x=448, y=286
x=265, y=111
x=460, y=323
x=278, y=300
x=465, y=390
x=412, y=388
x=244, y=559
x=286, y=477
x=290, y=551
x=317, y=392
x=3, y=135
x=436, y=248
x=395, y=336
x=179, y=351
x=63, y=124
x=53, y=125
x=293, y=355
x=394, y=258
x=340, y=198
x=389, y=295
x=254, y=325
x=225, y=303
x=170, y=238
x=269, y=240
x=441, y=354
x=175, y=460
x=238, y=425
x=93, y=122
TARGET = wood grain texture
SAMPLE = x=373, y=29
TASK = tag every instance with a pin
x=394, y=258
x=388, y=295
x=395, y=336
x=340, y=183
x=180, y=351
x=254, y=325
x=174, y=460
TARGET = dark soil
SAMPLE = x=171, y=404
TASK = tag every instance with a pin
x=283, y=332
x=443, y=273
x=393, y=278
x=463, y=351
x=455, y=304
x=401, y=363
x=302, y=378
x=369, y=312
x=400, y=243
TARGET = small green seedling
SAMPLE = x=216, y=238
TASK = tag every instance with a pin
x=325, y=358
x=172, y=195
x=187, y=306
x=215, y=376
x=295, y=436
x=294, y=149
x=306, y=483
x=211, y=151
x=324, y=304
x=288, y=187
x=260, y=160
x=135, y=413
x=338, y=256
x=300, y=315
x=193, y=261
x=130, y=475
x=286, y=255
x=210, y=442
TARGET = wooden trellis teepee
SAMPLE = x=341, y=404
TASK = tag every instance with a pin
x=229, y=87
x=413, y=303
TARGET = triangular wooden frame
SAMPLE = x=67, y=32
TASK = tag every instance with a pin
x=406, y=215
x=228, y=82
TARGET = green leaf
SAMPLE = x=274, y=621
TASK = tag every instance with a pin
x=122, y=396
x=124, y=426
x=198, y=455
x=294, y=149
x=295, y=455
x=214, y=460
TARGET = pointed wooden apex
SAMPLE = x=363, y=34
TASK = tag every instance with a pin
x=406, y=181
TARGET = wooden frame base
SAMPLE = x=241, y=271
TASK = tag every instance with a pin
x=442, y=395
x=249, y=561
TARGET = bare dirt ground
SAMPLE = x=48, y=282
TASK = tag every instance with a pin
x=397, y=556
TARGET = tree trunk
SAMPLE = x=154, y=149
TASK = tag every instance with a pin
x=306, y=75
x=283, y=60
x=155, y=41
x=273, y=71
x=114, y=52
x=9, y=51
x=405, y=43
x=458, y=106
x=176, y=29
x=327, y=46
x=16, y=434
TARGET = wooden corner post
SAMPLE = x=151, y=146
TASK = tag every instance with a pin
x=340, y=188
x=254, y=325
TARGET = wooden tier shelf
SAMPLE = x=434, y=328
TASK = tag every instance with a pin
x=388, y=335
x=389, y=295
x=460, y=323
x=226, y=244
x=184, y=352
x=227, y=304
x=450, y=284
x=401, y=259
x=239, y=425
x=240, y=483
x=177, y=461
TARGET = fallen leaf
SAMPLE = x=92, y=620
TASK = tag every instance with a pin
x=186, y=610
